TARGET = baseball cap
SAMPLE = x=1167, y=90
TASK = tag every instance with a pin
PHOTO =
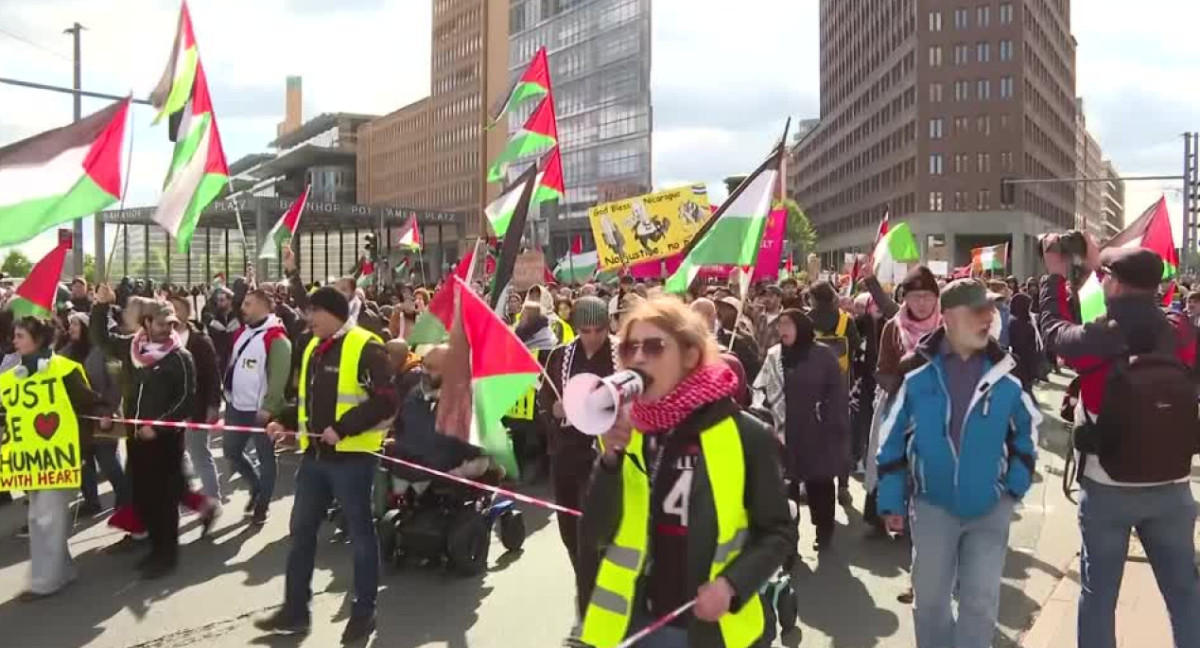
x=969, y=293
x=1137, y=267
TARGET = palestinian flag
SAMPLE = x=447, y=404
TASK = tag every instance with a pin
x=35, y=296
x=285, y=228
x=734, y=234
x=506, y=261
x=501, y=371
x=366, y=273
x=409, y=236
x=577, y=268
x=540, y=131
x=433, y=324
x=1091, y=299
x=549, y=186
x=198, y=170
x=992, y=257
x=895, y=245
x=62, y=174
x=534, y=83
x=1151, y=230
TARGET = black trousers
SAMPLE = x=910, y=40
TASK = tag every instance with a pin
x=571, y=471
x=156, y=479
x=822, y=504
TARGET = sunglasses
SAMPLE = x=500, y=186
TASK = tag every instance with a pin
x=650, y=347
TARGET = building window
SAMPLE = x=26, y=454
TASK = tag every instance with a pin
x=935, y=56
x=961, y=161
x=962, y=91
x=961, y=125
x=935, y=21
x=961, y=18
x=935, y=164
x=935, y=201
x=1006, y=88
x=1006, y=13
x=983, y=52
x=1006, y=161
x=983, y=124
x=960, y=200
x=985, y=200
x=983, y=163
x=935, y=128
x=1006, y=50
x=962, y=54
x=983, y=88
x=983, y=15
x=935, y=93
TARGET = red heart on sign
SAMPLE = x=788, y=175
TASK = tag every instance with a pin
x=46, y=425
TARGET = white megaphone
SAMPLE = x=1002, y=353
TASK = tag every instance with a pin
x=592, y=403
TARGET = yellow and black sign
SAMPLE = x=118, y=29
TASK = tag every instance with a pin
x=41, y=447
x=649, y=227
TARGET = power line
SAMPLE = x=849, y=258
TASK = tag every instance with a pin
x=34, y=44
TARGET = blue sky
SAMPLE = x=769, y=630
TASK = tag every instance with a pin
x=725, y=75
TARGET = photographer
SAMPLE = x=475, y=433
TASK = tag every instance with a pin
x=1136, y=432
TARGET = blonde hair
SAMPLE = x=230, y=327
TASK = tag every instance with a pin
x=674, y=318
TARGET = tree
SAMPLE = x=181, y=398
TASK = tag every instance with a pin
x=89, y=269
x=16, y=264
x=800, y=233
x=732, y=182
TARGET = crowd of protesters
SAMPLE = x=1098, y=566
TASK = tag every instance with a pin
x=923, y=389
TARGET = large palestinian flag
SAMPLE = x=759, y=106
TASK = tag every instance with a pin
x=198, y=170
x=532, y=84
x=1151, y=230
x=549, y=186
x=540, y=131
x=62, y=174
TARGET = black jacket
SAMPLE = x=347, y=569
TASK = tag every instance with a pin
x=208, y=375
x=164, y=391
x=374, y=375
x=746, y=350
x=773, y=534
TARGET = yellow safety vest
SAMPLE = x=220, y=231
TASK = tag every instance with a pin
x=568, y=333
x=606, y=620
x=42, y=452
x=838, y=341
x=349, y=392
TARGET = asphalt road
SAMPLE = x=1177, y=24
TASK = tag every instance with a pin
x=847, y=597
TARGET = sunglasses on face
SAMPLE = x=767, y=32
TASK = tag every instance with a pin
x=650, y=347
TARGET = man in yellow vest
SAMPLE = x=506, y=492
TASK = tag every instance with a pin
x=346, y=398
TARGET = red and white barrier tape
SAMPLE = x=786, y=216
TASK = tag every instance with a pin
x=221, y=427
x=658, y=624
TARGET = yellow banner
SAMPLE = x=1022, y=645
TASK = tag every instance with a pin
x=41, y=449
x=649, y=227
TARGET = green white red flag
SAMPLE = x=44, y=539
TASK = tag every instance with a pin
x=285, y=228
x=992, y=258
x=540, y=131
x=198, y=171
x=1151, y=230
x=549, y=186
x=409, y=237
x=734, y=234
x=35, y=296
x=532, y=84
x=62, y=174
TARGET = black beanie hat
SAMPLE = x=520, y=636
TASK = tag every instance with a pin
x=920, y=278
x=331, y=301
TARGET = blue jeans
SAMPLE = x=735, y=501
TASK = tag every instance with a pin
x=197, y=443
x=952, y=553
x=1164, y=517
x=669, y=636
x=262, y=481
x=349, y=477
x=105, y=454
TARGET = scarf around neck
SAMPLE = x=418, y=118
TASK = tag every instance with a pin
x=911, y=330
x=705, y=385
x=145, y=353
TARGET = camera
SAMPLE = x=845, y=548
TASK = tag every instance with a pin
x=1071, y=244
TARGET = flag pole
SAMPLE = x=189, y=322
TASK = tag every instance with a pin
x=237, y=213
x=421, y=260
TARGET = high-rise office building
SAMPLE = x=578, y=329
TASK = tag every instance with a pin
x=1113, y=205
x=431, y=153
x=926, y=106
x=1089, y=163
x=599, y=52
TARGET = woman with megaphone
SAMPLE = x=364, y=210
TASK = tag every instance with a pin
x=686, y=499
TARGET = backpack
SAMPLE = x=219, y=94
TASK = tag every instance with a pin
x=1147, y=429
x=838, y=341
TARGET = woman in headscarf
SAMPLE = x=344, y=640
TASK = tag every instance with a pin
x=1026, y=343
x=802, y=385
x=686, y=500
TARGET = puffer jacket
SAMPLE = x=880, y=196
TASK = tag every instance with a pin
x=996, y=455
x=773, y=534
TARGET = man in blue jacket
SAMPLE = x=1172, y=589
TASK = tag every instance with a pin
x=959, y=437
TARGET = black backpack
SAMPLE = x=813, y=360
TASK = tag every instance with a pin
x=1148, y=427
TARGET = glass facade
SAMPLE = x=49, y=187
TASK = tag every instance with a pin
x=599, y=53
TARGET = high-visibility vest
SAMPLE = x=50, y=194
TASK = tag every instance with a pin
x=838, y=341
x=349, y=393
x=568, y=333
x=41, y=423
x=607, y=618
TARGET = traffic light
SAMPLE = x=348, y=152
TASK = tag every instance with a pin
x=1007, y=191
x=370, y=246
